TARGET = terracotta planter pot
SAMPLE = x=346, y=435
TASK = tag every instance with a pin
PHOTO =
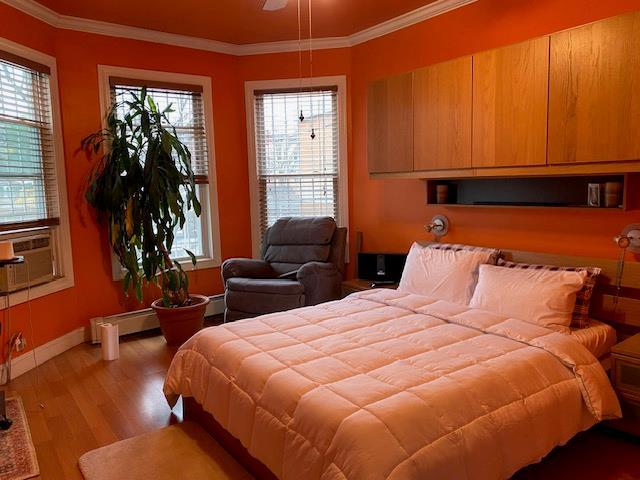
x=178, y=324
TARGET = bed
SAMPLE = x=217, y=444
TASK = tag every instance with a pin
x=597, y=337
x=385, y=384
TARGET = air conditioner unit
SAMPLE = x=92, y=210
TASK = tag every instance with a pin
x=38, y=258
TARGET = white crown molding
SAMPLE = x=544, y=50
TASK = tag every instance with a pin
x=421, y=14
x=35, y=9
x=39, y=11
x=135, y=33
x=291, y=46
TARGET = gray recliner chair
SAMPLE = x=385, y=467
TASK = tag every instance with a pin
x=302, y=264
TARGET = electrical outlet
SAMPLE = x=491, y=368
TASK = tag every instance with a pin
x=21, y=344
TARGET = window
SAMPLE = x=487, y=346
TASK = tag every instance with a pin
x=190, y=98
x=28, y=184
x=299, y=154
x=33, y=204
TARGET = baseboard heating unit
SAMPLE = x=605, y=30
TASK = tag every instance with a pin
x=141, y=320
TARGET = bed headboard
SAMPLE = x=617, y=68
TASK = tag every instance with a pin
x=625, y=316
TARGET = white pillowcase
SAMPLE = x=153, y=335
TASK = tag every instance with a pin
x=544, y=297
x=444, y=274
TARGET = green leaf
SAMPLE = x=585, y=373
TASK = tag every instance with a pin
x=139, y=295
x=194, y=260
x=127, y=281
x=143, y=178
x=152, y=105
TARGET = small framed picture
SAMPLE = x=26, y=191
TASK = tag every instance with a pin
x=593, y=195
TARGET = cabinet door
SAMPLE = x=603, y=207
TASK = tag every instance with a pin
x=594, y=99
x=442, y=115
x=390, y=125
x=510, y=96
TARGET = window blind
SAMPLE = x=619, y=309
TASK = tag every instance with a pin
x=28, y=184
x=297, y=174
x=187, y=116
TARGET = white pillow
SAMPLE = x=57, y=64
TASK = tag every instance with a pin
x=544, y=297
x=444, y=274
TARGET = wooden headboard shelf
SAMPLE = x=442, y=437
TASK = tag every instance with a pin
x=624, y=315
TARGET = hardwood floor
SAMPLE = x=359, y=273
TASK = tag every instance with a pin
x=89, y=403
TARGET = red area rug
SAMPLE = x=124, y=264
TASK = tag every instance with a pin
x=17, y=454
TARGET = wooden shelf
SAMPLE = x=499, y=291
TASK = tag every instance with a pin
x=555, y=207
x=567, y=192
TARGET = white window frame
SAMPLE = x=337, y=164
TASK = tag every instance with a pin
x=339, y=81
x=61, y=234
x=210, y=222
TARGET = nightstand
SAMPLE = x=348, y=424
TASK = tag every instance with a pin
x=626, y=380
x=359, y=285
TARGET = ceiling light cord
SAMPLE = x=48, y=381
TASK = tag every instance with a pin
x=299, y=46
x=313, y=131
x=301, y=117
x=310, y=41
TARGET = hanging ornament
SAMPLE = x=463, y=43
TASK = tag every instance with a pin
x=301, y=117
x=313, y=130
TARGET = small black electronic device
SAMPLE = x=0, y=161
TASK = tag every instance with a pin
x=381, y=268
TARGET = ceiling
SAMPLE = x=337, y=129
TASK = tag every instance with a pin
x=239, y=21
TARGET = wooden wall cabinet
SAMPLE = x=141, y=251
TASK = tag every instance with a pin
x=442, y=115
x=510, y=95
x=594, y=102
x=390, y=124
x=563, y=104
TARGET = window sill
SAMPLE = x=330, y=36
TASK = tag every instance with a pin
x=22, y=296
x=202, y=263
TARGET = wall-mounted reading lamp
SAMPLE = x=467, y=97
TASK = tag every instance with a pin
x=628, y=240
x=439, y=226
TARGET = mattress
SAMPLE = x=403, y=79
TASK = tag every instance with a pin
x=598, y=337
x=386, y=385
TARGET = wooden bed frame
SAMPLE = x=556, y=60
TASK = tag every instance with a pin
x=193, y=411
x=619, y=309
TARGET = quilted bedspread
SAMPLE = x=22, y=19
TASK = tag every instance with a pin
x=389, y=385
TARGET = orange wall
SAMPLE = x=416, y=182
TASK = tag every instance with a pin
x=390, y=213
x=78, y=54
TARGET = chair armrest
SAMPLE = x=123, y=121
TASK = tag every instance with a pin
x=292, y=275
x=246, y=268
x=322, y=282
x=316, y=268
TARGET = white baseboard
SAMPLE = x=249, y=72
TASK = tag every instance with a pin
x=26, y=361
x=141, y=320
x=130, y=322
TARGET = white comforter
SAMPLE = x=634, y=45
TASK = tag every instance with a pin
x=387, y=385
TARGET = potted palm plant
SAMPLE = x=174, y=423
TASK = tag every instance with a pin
x=142, y=185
